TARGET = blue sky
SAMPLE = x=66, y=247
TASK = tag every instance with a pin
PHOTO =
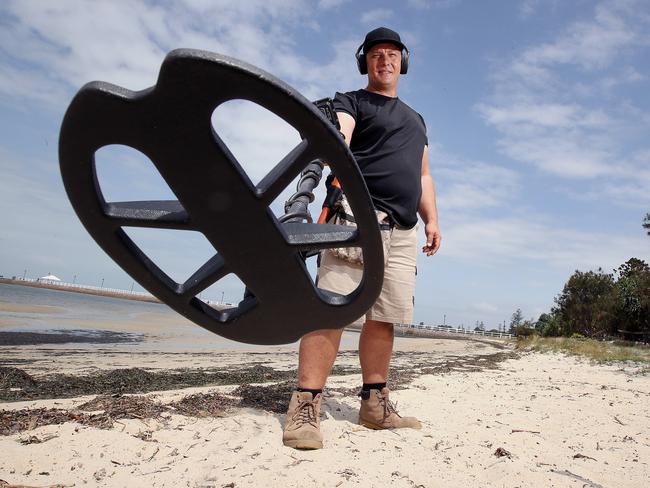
x=538, y=116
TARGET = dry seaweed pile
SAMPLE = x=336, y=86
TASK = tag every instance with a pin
x=104, y=410
x=15, y=378
x=203, y=405
x=272, y=398
x=16, y=384
x=72, y=336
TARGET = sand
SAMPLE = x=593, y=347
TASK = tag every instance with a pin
x=29, y=308
x=562, y=421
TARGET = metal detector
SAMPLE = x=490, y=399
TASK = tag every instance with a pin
x=171, y=124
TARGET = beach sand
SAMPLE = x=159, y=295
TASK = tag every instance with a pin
x=555, y=420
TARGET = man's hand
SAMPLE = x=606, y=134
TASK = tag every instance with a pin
x=434, y=237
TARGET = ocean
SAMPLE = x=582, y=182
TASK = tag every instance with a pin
x=30, y=309
x=73, y=305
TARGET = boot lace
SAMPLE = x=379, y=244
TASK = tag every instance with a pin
x=388, y=406
x=305, y=413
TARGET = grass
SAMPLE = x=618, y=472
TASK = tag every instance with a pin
x=601, y=351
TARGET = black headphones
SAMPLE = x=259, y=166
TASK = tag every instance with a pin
x=362, y=62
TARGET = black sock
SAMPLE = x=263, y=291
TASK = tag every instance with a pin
x=373, y=386
x=313, y=392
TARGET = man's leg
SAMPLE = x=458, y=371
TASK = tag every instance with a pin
x=395, y=304
x=317, y=354
x=375, y=350
x=318, y=351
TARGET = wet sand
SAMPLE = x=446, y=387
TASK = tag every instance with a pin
x=29, y=308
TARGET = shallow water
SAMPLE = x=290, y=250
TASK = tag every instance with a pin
x=30, y=309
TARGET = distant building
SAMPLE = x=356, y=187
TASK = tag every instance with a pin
x=49, y=277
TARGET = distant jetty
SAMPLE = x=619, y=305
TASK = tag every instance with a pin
x=77, y=288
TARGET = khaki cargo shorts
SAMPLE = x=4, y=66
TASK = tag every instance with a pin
x=395, y=303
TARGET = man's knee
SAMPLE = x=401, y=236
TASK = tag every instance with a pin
x=377, y=327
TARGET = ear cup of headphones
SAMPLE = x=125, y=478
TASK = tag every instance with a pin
x=362, y=63
x=405, y=62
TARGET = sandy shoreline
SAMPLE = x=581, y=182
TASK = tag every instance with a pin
x=563, y=421
x=559, y=421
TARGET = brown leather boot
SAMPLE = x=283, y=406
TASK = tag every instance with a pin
x=378, y=412
x=302, y=425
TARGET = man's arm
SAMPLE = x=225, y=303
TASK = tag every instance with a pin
x=347, y=123
x=428, y=210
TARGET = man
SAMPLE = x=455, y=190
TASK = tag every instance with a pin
x=388, y=140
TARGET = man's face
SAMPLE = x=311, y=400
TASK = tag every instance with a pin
x=384, y=62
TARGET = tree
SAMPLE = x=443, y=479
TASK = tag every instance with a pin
x=646, y=223
x=548, y=325
x=516, y=320
x=587, y=305
x=633, y=299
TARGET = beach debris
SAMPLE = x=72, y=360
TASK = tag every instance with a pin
x=104, y=410
x=116, y=400
x=6, y=484
x=347, y=473
x=524, y=430
x=582, y=456
x=68, y=336
x=273, y=398
x=145, y=435
x=15, y=378
x=14, y=421
x=18, y=385
x=501, y=452
x=203, y=405
x=153, y=455
x=124, y=407
x=618, y=421
x=32, y=439
x=586, y=481
x=99, y=474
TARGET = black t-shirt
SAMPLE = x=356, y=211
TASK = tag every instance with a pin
x=388, y=143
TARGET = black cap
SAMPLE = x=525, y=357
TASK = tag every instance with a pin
x=379, y=35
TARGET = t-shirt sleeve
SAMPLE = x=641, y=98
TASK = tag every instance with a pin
x=346, y=102
x=426, y=138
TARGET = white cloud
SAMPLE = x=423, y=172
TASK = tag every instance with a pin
x=591, y=44
x=426, y=4
x=377, y=16
x=469, y=185
x=541, y=114
x=70, y=43
x=556, y=107
x=329, y=4
x=485, y=307
x=527, y=8
x=561, y=155
x=508, y=240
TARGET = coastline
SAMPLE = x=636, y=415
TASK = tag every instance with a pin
x=125, y=295
x=400, y=330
